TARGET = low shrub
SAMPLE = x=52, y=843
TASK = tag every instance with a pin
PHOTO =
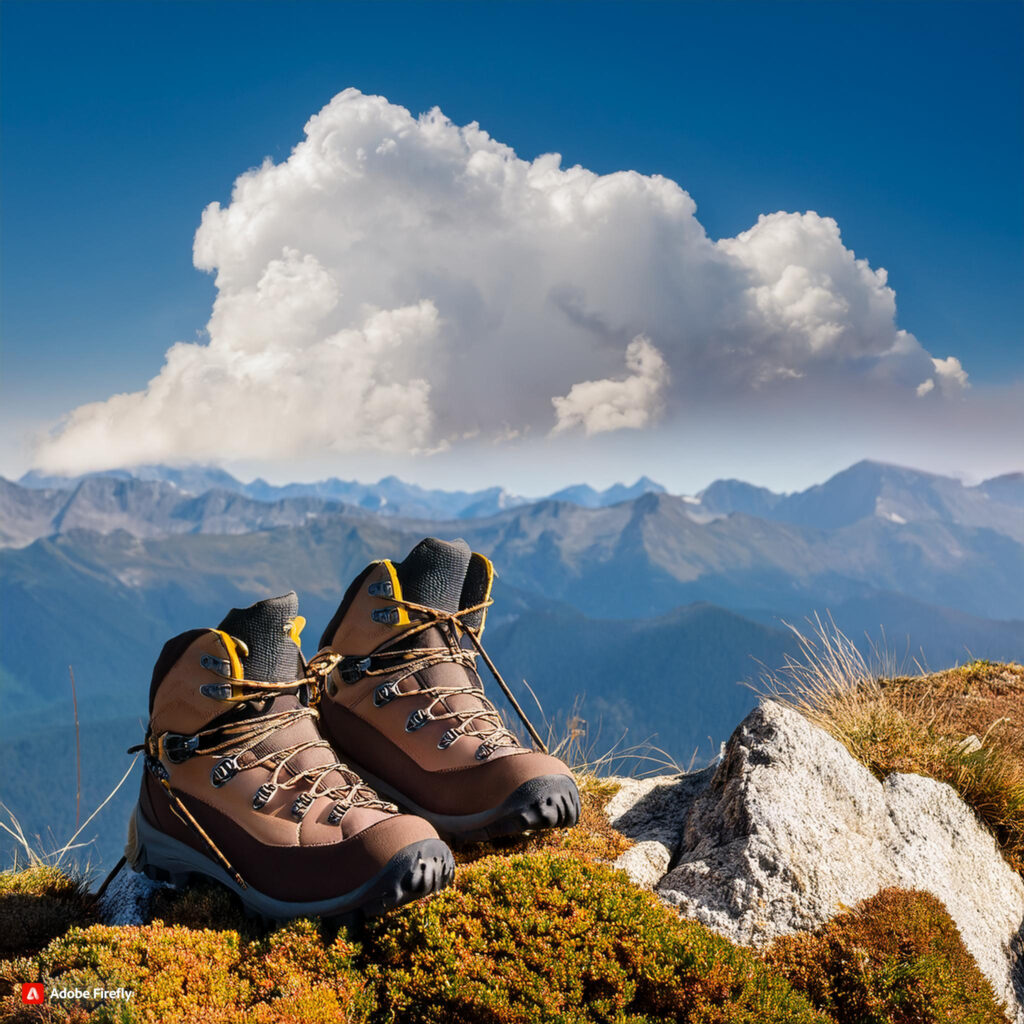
x=38, y=904
x=198, y=975
x=524, y=939
x=203, y=904
x=551, y=938
x=896, y=958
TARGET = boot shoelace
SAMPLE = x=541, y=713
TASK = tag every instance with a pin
x=493, y=733
x=233, y=740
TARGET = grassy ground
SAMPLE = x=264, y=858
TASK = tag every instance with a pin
x=541, y=929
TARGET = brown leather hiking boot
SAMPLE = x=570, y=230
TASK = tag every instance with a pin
x=403, y=700
x=242, y=787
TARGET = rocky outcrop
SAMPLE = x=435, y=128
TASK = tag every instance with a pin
x=790, y=830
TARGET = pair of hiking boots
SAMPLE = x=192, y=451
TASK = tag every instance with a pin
x=279, y=778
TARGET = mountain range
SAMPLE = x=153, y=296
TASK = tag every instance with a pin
x=389, y=496
x=629, y=612
x=157, y=500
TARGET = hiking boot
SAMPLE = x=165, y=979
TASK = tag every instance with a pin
x=402, y=698
x=242, y=787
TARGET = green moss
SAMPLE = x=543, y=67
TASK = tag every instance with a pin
x=552, y=938
x=897, y=958
x=981, y=670
x=38, y=904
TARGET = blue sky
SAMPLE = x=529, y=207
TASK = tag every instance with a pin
x=904, y=123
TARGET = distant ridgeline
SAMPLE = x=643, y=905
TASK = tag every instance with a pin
x=638, y=611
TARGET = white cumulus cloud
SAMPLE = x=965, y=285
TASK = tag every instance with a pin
x=401, y=283
x=949, y=377
x=629, y=403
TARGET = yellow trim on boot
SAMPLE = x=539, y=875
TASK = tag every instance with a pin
x=231, y=646
x=396, y=589
x=298, y=624
x=491, y=577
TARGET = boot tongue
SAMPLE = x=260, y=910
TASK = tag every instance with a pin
x=266, y=628
x=434, y=572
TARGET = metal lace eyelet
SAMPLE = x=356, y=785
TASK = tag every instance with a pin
x=447, y=739
x=223, y=771
x=417, y=720
x=382, y=588
x=484, y=751
x=216, y=691
x=385, y=616
x=352, y=670
x=263, y=795
x=385, y=694
x=218, y=665
x=338, y=812
x=303, y=802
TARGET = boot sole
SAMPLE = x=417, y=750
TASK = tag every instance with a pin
x=549, y=801
x=415, y=871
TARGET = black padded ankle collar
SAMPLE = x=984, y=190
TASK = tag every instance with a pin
x=433, y=573
x=265, y=629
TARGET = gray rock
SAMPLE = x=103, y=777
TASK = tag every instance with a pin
x=968, y=745
x=792, y=829
x=652, y=812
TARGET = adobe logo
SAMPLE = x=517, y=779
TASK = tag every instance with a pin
x=33, y=992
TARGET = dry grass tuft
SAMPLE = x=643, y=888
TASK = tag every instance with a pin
x=31, y=847
x=591, y=756
x=963, y=726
